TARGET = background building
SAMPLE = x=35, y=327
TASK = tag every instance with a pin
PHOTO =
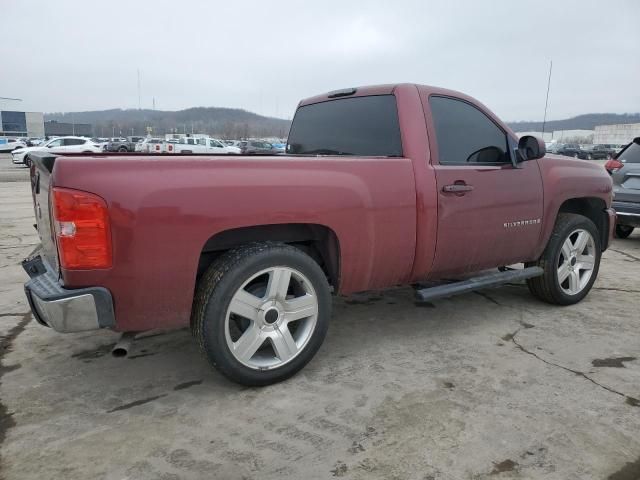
x=21, y=124
x=616, y=134
x=567, y=136
x=53, y=128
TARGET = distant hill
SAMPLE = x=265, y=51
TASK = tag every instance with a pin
x=581, y=122
x=222, y=122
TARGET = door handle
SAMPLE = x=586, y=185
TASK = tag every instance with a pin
x=460, y=188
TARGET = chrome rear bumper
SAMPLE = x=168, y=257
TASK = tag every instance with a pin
x=62, y=309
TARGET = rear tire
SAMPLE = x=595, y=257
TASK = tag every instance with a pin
x=623, y=231
x=27, y=161
x=570, y=261
x=256, y=332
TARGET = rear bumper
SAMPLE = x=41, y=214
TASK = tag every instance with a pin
x=62, y=309
x=18, y=158
x=628, y=213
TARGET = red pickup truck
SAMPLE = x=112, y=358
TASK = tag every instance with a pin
x=381, y=185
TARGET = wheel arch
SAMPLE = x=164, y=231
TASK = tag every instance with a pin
x=318, y=241
x=594, y=209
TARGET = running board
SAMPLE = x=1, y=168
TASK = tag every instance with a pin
x=484, y=281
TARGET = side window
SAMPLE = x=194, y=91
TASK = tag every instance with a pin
x=465, y=134
x=217, y=144
x=55, y=143
x=202, y=141
x=73, y=141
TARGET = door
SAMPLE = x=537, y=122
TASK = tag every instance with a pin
x=74, y=145
x=489, y=212
x=216, y=147
x=56, y=145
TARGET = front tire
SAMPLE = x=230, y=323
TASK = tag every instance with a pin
x=261, y=312
x=570, y=261
x=623, y=231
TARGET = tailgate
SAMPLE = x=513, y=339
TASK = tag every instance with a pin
x=42, y=166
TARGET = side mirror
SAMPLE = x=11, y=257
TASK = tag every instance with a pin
x=530, y=148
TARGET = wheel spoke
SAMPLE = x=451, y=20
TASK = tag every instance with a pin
x=585, y=262
x=245, y=305
x=574, y=281
x=563, y=272
x=279, y=279
x=248, y=343
x=581, y=241
x=300, y=307
x=284, y=344
x=566, y=249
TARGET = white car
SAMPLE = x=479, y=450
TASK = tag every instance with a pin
x=10, y=144
x=57, y=145
x=203, y=145
x=150, y=145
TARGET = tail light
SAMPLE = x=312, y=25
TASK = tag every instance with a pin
x=81, y=224
x=613, y=165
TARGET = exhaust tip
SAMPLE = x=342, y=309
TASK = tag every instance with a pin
x=119, y=351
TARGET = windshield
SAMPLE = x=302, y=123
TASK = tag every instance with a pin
x=366, y=126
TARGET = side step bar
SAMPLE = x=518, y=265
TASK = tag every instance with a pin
x=476, y=283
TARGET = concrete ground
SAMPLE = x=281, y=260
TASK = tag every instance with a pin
x=491, y=384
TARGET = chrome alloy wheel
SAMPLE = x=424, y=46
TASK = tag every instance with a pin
x=271, y=318
x=576, y=261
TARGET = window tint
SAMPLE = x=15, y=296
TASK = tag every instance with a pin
x=55, y=143
x=631, y=154
x=365, y=126
x=73, y=141
x=466, y=135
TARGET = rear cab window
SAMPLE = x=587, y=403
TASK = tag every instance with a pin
x=363, y=126
x=631, y=154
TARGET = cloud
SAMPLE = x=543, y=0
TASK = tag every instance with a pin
x=265, y=56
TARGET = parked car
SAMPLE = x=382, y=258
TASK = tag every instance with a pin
x=625, y=172
x=201, y=145
x=56, y=145
x=11, y=144
x=123, y=145
x=248, y=147
x=600, y=152
x=151, y=145
x=572, y=150
x=382, y=185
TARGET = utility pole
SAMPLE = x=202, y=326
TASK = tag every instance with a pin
x=546, y=103
x=138, y=89
x=73, y=125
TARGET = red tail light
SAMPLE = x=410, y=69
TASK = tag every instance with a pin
x=613, y=165
x=81, y=224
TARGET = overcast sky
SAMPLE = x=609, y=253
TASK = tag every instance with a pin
x=264, y=56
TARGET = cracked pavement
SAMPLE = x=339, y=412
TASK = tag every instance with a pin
x=492, y=384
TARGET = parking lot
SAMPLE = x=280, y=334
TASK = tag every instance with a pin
x=492, y=384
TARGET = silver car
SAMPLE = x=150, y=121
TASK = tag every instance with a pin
x=625, y=172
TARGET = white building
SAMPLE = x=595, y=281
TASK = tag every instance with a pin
x=616, y=134
x=560, y=136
